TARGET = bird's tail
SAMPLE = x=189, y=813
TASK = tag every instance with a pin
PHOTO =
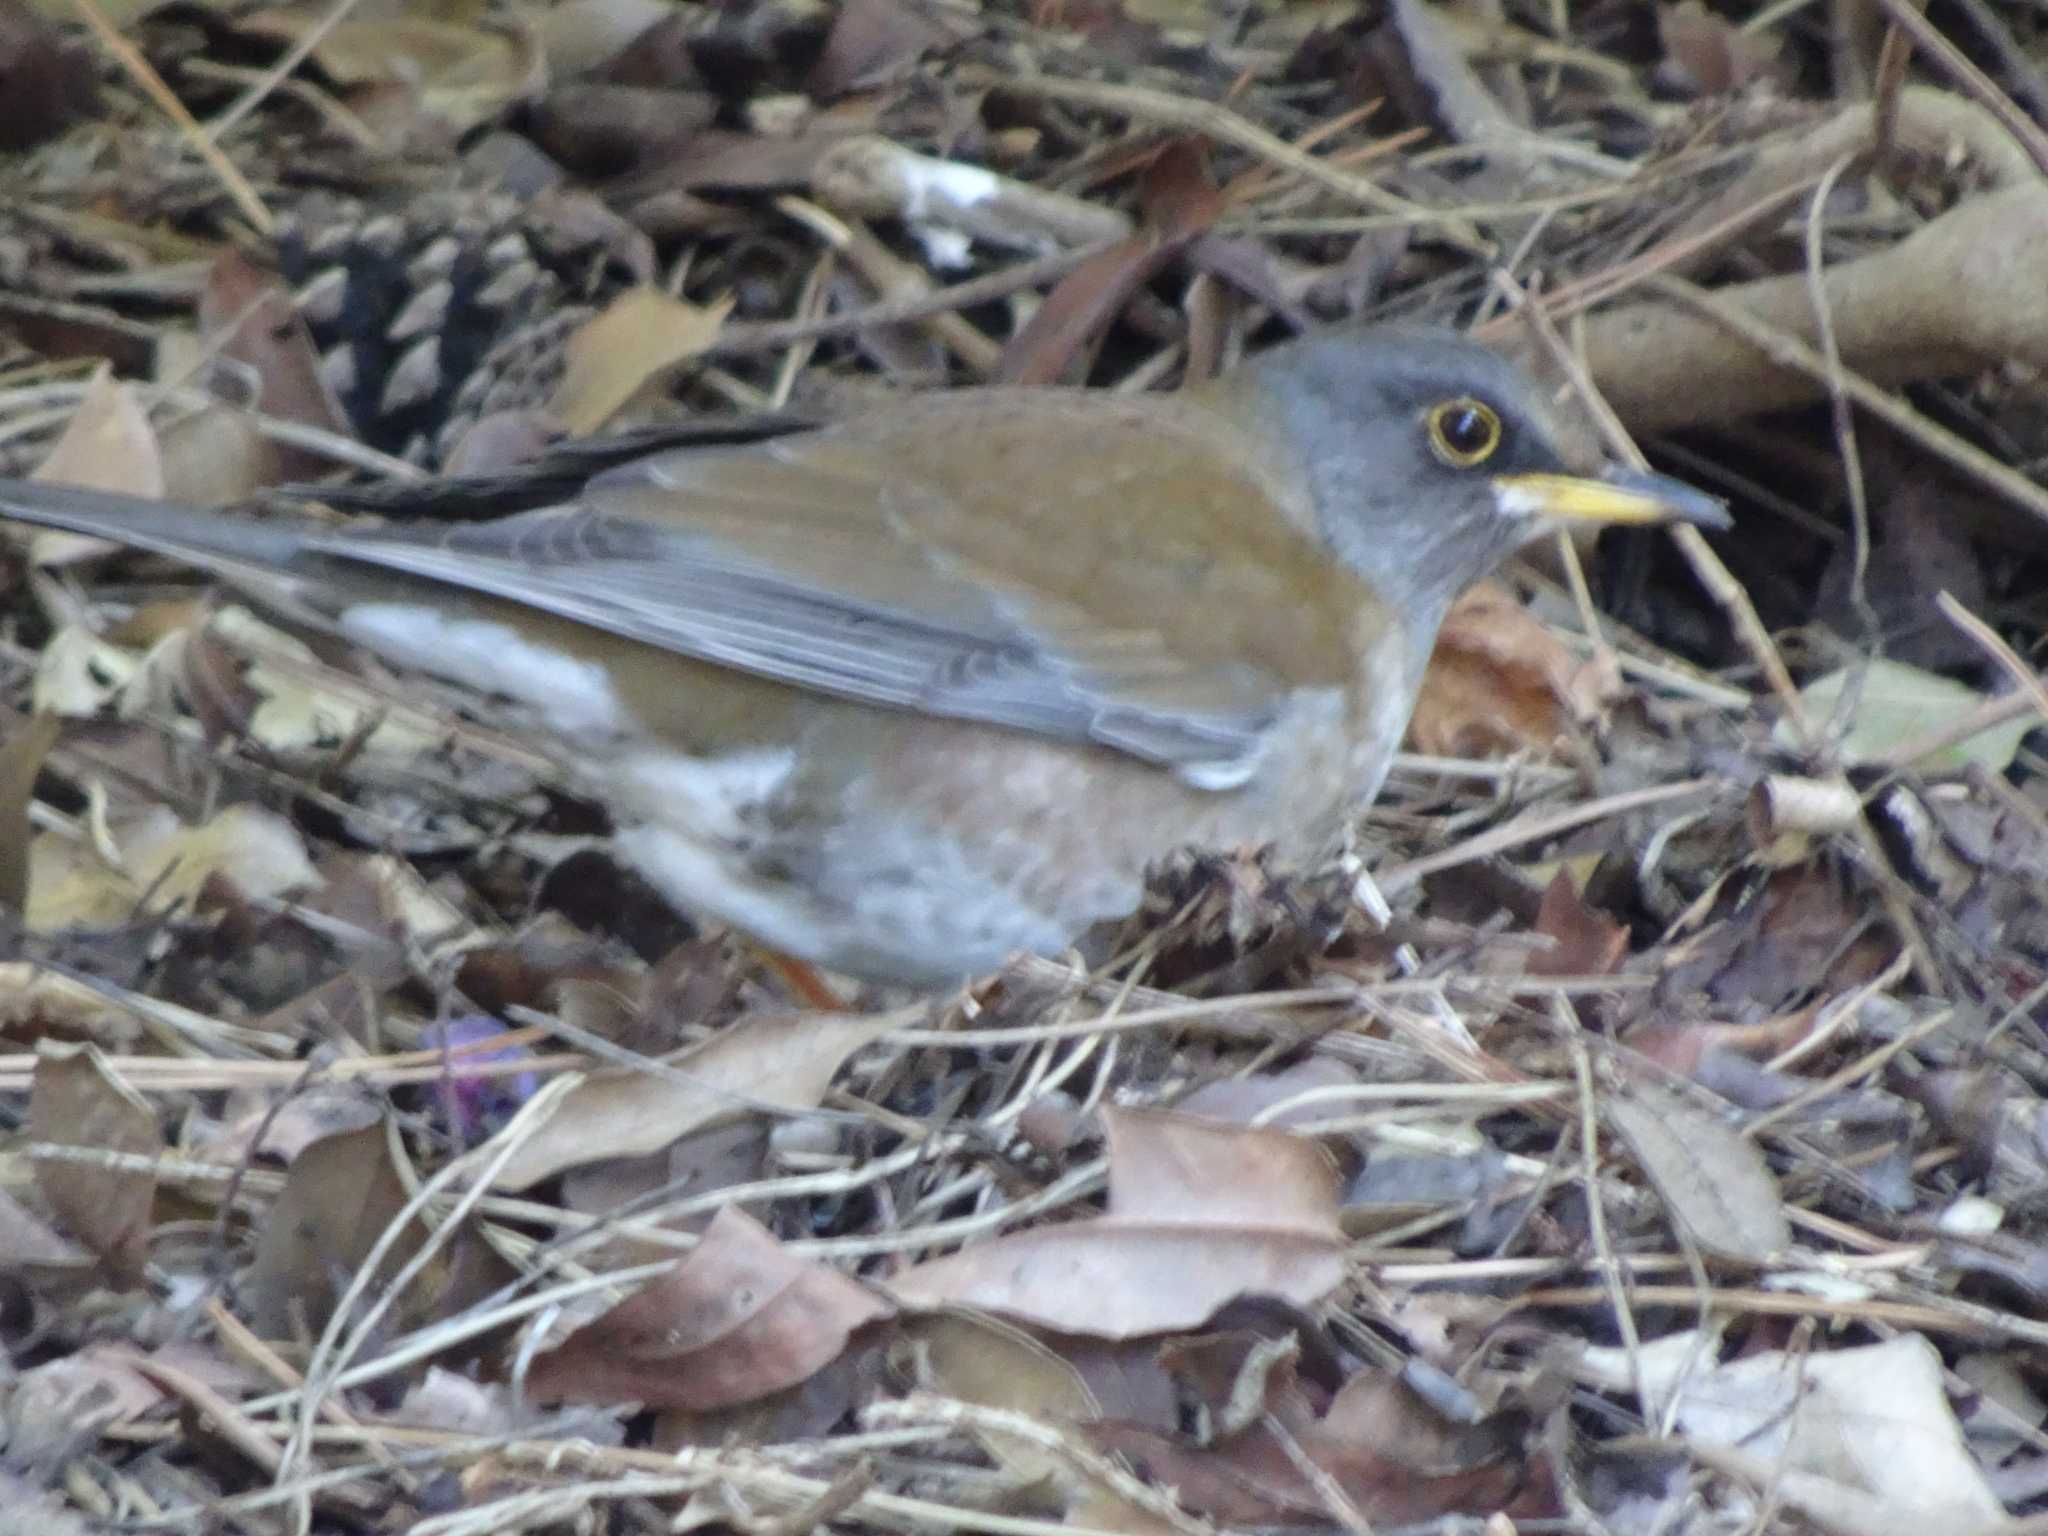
x=217, y=541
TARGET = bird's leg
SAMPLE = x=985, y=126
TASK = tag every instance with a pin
x=802, y=979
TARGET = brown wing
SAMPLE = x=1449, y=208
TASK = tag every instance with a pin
x=1156, y=605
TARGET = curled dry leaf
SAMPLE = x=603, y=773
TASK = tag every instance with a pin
x=1500, y=682
x=782, y=1061
x=78, y=1101
x=108, y=445
x=1181, y=204
x=740, y=1318
x=165, y=864
x=1866, y=1430
x=247, y=315
x=985, y=1361
x=639, y=338
x=1709, y=55
x=460, y=72
x=1276, y=1458
x=1199, y=1215
x=1587, y=941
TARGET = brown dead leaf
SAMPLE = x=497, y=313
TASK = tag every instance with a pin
x=872, y=42
x=1199, y=1215
x=1500, y=682
x=1588, y=941
x=1181, y=203
x=740, y=1318
x=806, y=1411
x=639, y=338
x=28, y=1243
x=1807, y=931
x=167, y=864
x=784, y=1061
x=1400, y=1462
x=247, y=315
x=339, y=1196
x=1274, y=1455
x=46, y=81
x=1709, y=55
x=21, y=760
x=78, y=1101
x=108, y=445
x=583, y=36
x=457, y=70
x=983, y=1360
x=58, y=1408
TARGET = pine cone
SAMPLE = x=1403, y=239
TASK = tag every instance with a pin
x=432, y=311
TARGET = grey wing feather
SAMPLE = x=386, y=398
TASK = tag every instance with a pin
x=963, y=655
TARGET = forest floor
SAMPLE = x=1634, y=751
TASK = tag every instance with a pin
x=1669, y=1154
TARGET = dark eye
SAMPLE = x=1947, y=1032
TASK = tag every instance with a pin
x=1463, y=432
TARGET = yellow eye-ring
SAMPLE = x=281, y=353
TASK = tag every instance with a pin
x=1463, y=432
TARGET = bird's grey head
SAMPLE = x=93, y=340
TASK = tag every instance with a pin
x=1431, y=458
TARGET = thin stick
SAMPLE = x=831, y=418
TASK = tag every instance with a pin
x=130, y=58
x=275, y=75
x=1530, y=829
x=1950, y=60
x=1790, y=352
x=1220, y=123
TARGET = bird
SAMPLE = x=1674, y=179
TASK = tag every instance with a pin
x=909, y=692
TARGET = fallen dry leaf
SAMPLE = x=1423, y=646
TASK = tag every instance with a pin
x=247, y=315
x=78, y=1101
x=1500, y=682
x=1866, y=1429
x=1712, y=1179
x=1181, y=203
x=1199, y=1214
x=1587, y=941
x=27, y=1242
x=976, y=1359
x=1275, y=1458
x=56, y=1408
x=339, y=1196
x=165, y=864
x=740, y=1318
x=108, y=445
x=641, y=336
x=457, y=70
x=779, y=1061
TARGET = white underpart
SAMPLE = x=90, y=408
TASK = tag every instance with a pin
x=573, y=695
x=1393, y=701
x=715, y=798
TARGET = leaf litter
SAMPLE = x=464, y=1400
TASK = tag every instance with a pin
x=376, y=1154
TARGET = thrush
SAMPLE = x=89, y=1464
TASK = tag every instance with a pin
x=908, y=693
